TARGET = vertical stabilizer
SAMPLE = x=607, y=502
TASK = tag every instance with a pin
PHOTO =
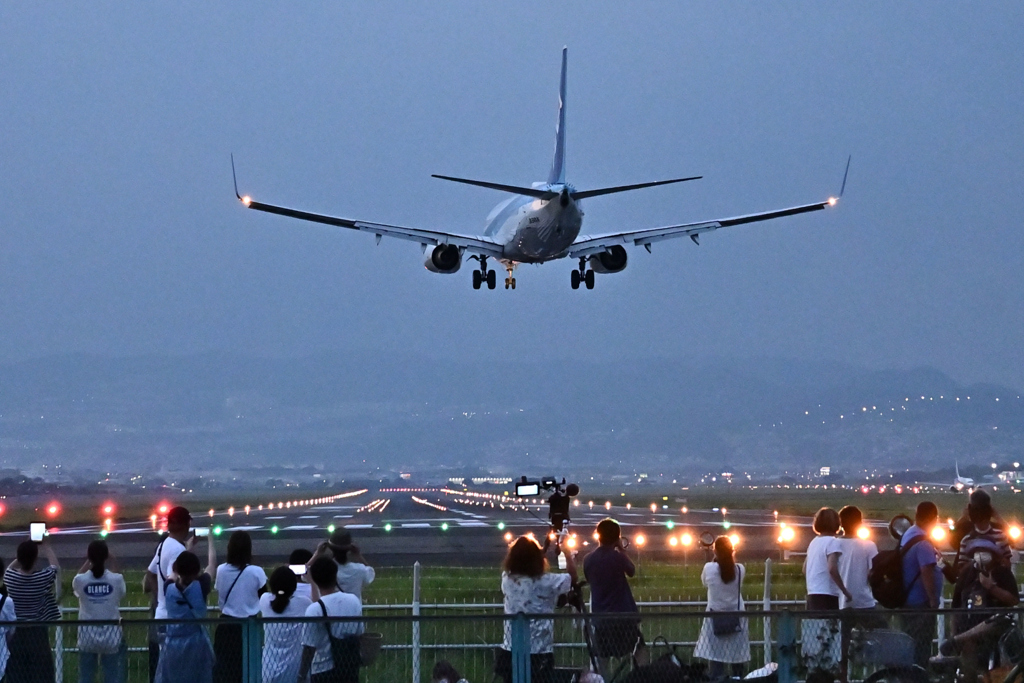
x=957, y=466
x=557, y=175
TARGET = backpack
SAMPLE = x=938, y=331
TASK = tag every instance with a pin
x=886, y=575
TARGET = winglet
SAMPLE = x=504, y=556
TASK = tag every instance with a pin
x=845, y=173
x=247, y=200
x=557, y=175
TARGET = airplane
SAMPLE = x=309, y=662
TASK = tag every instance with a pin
x=959, y=483
x=539, y=223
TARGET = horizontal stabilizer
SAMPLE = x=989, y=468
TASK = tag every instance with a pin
x=525, y=191
x=627, y=188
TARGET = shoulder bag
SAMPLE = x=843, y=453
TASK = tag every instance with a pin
x=727, y=624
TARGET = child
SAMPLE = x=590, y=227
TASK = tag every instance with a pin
x=186, y=654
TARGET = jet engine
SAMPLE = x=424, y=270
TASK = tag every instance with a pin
x=612, y=260
x=444, y=258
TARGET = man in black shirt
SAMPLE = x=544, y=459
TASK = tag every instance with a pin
x=606, y=570
x=985, y=583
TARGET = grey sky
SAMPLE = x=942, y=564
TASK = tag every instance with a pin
x=119, y=232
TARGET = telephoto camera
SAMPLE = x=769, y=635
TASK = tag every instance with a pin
x=558, y=501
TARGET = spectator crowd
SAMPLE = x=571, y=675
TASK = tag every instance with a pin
x=843, y=570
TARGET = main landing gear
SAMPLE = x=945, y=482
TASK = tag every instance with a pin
x=484, y=274
x=582, y=275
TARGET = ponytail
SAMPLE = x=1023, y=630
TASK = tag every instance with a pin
x=282, y=586
x=98, y=553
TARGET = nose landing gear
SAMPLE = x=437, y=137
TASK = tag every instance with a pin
x=484, y=274
x=583, y=275
x=510, y=281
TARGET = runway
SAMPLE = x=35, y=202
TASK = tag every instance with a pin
x=438, y=526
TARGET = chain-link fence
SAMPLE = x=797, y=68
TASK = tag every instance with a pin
x=654, y=645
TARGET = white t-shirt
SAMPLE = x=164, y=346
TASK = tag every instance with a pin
x=163, y=559
x=304, y=590
x=315, y=635
x=6, y=615
x=244, y=599
x=282, y=644
x=352, y=576
x=533, y=596
x=819, y=582
x=99, y=598
x=854, y=564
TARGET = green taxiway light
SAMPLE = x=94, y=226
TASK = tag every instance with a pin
x=103, y=534
x=273, y=529
x=387, y=527
x=330, y=528
x=726, y=524
x=670, y=524
x=501, y=526
x=444, y=526
x=218, y=530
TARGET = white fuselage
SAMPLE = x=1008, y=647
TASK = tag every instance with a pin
x=535, y=230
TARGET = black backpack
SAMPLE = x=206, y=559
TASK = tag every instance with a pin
x=886, y=575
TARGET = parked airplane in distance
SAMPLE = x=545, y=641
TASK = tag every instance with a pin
x=539, y=223
x=959, y=483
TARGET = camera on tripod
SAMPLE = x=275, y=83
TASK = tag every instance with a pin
x=558, y=501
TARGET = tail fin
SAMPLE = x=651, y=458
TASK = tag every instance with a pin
x=557, y=175
x=957, y=466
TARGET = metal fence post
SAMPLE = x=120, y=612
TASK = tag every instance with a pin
x=252, y=662
x=767, y=606
x=520, y=649
x=416, y=623
x=787, y=647
x=58, y=649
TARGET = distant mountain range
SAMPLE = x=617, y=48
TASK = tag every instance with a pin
x=338, y=410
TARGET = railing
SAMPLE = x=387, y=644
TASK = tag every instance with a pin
x=793, y=641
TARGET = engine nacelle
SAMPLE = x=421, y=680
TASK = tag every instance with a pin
x=612, y=260
x=444, y=258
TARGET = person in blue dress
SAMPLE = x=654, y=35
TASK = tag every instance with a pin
x=186, y=653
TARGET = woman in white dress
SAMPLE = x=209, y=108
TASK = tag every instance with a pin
x=723, y=578
x=282, y=648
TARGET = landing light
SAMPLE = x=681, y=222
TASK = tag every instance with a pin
x=831, y=201
x=247, y=200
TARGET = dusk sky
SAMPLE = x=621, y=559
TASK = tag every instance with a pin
x=120, y=233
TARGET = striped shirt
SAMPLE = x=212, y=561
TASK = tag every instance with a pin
x=994, y=534
x=33, y=594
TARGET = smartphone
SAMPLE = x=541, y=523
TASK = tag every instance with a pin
x=37, y=531
x=298, y=569
x=528, y=489
x=202, y=531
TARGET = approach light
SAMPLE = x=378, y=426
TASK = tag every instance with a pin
x=686, y=539
x=211, y=512
x=570, y=542
x=639, y=540
x=247, y=508
x=1014, y=532
x=938, y=533
x=231, y=511
x=607, y=505
x=654, y=507
x=734, y=539
x=673, y=541
x=863, y=533
x=786, y=534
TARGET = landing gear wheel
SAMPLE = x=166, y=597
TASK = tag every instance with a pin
x=574, y=279
x=477, y=278
x=491, y=279
x=508, y=282
x=513, y=283
x=590, y=279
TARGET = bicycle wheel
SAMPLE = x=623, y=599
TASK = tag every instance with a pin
x=899, y=674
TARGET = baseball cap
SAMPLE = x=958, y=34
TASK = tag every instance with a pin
x=178, y=515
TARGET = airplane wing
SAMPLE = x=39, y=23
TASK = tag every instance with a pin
x=645, y=238
x=477, y=245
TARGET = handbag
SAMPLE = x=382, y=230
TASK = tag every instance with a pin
x=727, y=624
